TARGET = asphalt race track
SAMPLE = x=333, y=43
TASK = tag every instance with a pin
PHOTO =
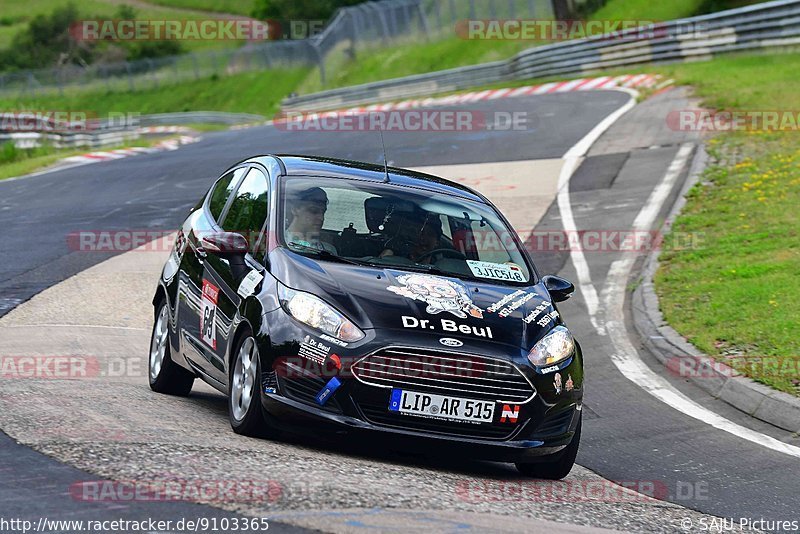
x=118, y=429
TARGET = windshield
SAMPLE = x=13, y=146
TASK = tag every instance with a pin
x=391, y=226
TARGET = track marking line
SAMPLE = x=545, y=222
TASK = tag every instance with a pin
x=571, y=161
x=627, y=359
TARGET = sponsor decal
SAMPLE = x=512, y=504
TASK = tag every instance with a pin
x=450, y=342
x=208, y=315
x=249, y=284
x=447, y=325
x=508, y=310
x=270, y=390
x=550, y=369
x=327, y=392
x=569, y=386
x=546, y=319
x=510, y=413
x=536, y=311
x=313, y=350
x=557, y=383
x=496, y=271
x=332, y=339
x=505, y=300
x=440, y=294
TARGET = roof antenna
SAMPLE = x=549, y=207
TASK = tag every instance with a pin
x=385, y=165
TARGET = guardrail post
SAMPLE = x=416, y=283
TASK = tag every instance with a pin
x=130, y=76
x=60, y=81
x=423, y=21
x=195, y=67
x=384, y=24
x=153, y=73
x=321, y=63
x=31, y=88
x=392, y=22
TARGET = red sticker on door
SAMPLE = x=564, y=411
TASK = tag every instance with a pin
x=208, y=314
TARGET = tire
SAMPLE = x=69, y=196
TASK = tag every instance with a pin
x=245, y=411
x=165, y=375
x=561, y=463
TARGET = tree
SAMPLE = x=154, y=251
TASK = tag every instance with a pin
x=299, y=9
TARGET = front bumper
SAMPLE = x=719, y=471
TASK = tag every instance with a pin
x=525, y=445
x=546, y=422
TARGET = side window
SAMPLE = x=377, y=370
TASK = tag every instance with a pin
x=222, y=190
x=248, y=212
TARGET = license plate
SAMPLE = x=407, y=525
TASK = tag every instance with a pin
x=441, y=406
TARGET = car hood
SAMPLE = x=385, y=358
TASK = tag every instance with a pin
x=423, y=304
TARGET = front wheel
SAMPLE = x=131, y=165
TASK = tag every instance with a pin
x=246, y=414
x=561, y=464
x=165, y=375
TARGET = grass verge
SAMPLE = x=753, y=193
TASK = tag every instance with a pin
x=251, y=92
x=737, y=297
x=18, y=162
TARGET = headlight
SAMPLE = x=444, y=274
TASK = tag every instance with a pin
x=314, y=312
x=553, y=348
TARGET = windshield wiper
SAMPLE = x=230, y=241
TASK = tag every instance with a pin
x=324, y=254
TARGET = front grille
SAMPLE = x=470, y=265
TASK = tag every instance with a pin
x=445, y=373
x=374, y=406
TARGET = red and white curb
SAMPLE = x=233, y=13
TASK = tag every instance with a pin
x=167, y=145
x=582, y=84
x=631, y=81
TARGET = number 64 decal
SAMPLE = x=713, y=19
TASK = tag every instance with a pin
x=208, y=314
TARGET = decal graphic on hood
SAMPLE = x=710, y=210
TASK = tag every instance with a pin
x=439, y=294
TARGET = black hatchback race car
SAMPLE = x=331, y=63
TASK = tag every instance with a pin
x=319, y=293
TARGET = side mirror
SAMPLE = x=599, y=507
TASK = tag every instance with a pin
x=225, y=244
x=559, y=288
x=229, y=246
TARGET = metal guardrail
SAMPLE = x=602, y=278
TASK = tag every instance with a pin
x=762, y=26
x=91, y=139
x=200, y=117
x=97, y=134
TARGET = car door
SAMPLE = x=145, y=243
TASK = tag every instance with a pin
x=246, y=214
x=200, y=223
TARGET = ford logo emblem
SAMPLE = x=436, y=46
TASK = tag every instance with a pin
x=450, y=342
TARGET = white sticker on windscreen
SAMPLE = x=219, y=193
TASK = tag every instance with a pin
x=496, y=271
